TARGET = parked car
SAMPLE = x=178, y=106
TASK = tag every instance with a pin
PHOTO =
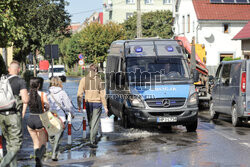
x=31, y=67
x=231, y=91
x=59, y=71
x=148, y=83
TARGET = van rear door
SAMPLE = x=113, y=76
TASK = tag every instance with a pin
x=225, y=89
x=247, y=86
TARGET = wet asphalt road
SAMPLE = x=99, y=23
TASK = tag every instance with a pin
x=215, y=144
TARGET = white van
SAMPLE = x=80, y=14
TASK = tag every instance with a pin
x=59, y=71
x=31, y=67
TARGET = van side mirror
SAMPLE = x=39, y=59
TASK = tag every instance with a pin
x=227, y=82
x=195, y=75
x=211, y=79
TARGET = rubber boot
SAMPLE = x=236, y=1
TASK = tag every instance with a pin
x=56, y=142
x=37, y=157
x=55, y=153
x=9, y=159
x=42, y=151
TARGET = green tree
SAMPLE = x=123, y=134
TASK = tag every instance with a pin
x=73, y=49
x=62, y=44
x=158, y=23
x=44, y=22
x=10, y=29
x=95, y=40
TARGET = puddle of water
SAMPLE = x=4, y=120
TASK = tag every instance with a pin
x=240, y=133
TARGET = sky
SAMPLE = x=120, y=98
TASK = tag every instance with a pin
x=81, y=9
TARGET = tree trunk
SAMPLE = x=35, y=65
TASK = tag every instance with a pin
x=34, y=63
x=24, y=66
x=5, y=57
x=60, y=60
x=101, y=66
x=23, y=61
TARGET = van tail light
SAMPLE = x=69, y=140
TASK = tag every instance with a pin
x=243, y=82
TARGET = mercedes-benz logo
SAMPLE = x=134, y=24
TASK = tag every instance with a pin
x=166, y=103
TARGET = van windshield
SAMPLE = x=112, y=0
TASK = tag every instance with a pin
x=160, y=70
x=56, y=70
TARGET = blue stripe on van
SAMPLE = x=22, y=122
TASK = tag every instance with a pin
x=162, y=91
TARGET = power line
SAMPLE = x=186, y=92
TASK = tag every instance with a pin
x=87, y=11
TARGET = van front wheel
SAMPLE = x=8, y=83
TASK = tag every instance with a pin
x=192, y=127
x=125, y=121
x=236, y=121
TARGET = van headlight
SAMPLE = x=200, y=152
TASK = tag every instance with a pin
x=193, y=99
x=136, y=102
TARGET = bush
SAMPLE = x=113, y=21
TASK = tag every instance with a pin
x=75, y=72
x=230, y=59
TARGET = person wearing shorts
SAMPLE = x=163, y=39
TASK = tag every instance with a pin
x=38, y=104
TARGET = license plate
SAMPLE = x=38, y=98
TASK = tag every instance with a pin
x=167, y=119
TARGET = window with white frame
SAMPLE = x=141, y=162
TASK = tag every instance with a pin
x=188, y=24
x=147, y=2
x=128, y=15
x=130, y=1
x=110, y=15
x=183, y=24
x=167, y=2
x=226, y=28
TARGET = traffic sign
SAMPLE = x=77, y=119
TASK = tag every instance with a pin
x=51, y=51
x=80, y=56
x=81, y=62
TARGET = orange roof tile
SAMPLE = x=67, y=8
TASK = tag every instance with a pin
x=221, y=11
x=244, y=32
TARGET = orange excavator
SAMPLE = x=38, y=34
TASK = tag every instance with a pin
x=198, y=52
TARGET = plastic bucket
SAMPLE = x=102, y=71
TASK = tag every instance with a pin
x=107, y=124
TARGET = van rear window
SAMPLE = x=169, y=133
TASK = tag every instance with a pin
x=235, y=74
x=56, y=69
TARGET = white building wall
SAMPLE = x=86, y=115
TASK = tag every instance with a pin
x=186, y=8
x=210, y=33
x=120, y=9
x=217, y=42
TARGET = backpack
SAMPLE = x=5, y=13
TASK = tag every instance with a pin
x=7, y=99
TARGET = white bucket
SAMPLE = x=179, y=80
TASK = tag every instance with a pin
x=107, y=124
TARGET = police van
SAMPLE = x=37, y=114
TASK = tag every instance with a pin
x=149, y=83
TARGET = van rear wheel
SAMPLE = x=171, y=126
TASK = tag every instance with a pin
x=236, y=121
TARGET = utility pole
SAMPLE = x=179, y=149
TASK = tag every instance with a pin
x=193, y=58
x=139, y=27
